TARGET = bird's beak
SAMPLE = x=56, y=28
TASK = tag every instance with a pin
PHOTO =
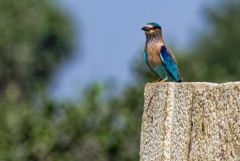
x=144, y=28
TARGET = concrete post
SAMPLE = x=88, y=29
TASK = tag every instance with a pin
x=191, y=122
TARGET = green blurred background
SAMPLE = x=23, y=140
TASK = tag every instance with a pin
x=103, y=126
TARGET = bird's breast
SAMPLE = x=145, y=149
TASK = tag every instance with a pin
x=153, y=51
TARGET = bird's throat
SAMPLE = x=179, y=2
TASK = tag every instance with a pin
x=154, y=43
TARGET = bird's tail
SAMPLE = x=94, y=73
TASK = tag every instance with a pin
x=179, y=81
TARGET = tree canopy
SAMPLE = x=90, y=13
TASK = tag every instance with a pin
x=35, y=36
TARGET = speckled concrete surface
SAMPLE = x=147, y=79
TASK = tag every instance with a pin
x=191, y=122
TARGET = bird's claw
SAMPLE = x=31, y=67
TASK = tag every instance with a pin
x=160, y=80
x=164, y=80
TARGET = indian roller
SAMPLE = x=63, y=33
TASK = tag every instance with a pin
x=157, y=56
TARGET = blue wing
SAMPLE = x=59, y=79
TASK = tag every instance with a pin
x=169, y=63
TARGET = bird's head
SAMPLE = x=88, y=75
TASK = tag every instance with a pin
x=152, y=28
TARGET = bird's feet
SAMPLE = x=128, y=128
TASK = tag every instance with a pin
x=160, y=80
x=164, y=80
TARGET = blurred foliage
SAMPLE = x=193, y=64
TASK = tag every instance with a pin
x=102, y=127
x=34, y=37
x=92, y=131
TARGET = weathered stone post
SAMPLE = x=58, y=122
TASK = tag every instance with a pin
x=191, y=122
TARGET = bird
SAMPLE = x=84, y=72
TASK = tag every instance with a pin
x=158, y=57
